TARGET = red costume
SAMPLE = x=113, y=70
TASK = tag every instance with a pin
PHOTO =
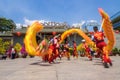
x=56, y=47
x=50, y=52
x=75, y=54
x=99, y=40
x=87, y=50
x=66, y=50
x=100, y=44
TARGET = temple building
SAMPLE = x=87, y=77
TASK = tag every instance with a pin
x=48, y=30
x=17, y=35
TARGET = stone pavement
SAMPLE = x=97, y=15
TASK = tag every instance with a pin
x=81, y=69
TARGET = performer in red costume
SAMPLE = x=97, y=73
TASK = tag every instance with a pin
x=100, y=44
x=50, y=53
x=56, y=46
x=87, y=49
x=66, y=50
x=75, y=53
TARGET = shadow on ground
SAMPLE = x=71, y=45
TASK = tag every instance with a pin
x=41, y=63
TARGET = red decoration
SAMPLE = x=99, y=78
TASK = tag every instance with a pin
x=117, y=31
x=53, y=33
x=18, y=33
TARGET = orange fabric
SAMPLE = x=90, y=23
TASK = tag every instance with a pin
x=108, y=29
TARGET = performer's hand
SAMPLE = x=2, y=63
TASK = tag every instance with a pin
x=37, y=48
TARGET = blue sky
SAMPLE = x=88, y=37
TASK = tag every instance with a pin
x=70, y=11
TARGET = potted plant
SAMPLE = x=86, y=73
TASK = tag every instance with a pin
x=3, y=48
x=115, y=51
x=81, y=50
x=17, y=48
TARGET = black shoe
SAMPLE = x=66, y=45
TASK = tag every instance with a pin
x=68, y=58
x=106, y=65
x=90, y=59
x=110, y=63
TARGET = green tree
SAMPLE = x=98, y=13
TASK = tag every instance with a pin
x=6, y=24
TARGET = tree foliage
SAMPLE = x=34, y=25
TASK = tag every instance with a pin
x=6, y=24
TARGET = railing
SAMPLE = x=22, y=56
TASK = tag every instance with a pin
x=115, y=15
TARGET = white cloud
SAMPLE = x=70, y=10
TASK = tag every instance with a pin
x=25, y=24
x=18, y=25
x=94, y=21
x=29, y=22
x=78, y=24
x=42, y=21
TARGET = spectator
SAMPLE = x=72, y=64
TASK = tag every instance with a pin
x=13, y=53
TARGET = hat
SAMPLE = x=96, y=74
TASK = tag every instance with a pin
x=83, y=40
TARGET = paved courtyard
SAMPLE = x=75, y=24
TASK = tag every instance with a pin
x=81, y=69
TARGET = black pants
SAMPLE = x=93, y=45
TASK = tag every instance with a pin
x=13, y=56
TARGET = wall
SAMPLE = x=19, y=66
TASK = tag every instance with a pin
x=18, y=39
x=117, y=36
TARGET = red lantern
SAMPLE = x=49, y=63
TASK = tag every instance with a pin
x=117, y=31
x=53, y=33
x=18, y=33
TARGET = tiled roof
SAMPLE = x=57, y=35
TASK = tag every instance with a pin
x=43, y=31
x=6, y=35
